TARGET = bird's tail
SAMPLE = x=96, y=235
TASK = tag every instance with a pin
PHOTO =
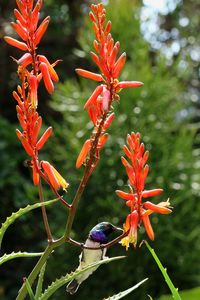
x=72, y=287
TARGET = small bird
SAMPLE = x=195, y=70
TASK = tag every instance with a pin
x=97, y=236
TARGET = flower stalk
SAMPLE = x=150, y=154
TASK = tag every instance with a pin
x=32, y=69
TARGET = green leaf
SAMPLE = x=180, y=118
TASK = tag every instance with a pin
x=68, y=277
x=126, y=292
x=19, y=254
x=29, y=289
x=40, y=282
x=18, y=214
x=174, y=291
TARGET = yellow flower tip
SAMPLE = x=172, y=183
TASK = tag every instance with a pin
x=125, y=242
x=66, y=186
x=63, y=183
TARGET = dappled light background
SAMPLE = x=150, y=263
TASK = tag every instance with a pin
x=161, y=39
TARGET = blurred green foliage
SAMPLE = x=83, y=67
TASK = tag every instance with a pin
x=160, y=111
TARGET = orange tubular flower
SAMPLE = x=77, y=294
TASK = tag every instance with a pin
x=56, y=180
x=31, y=69
x=137, y=171
x=83, y=154
x=99, y=104
x=26, y=26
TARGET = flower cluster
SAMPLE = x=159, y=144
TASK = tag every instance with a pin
x=137, y=171
x=110, y=66
x=32, y=68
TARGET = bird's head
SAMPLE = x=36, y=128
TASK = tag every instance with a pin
x=101, y=231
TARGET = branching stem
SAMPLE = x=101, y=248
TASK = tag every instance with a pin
x=44, y=214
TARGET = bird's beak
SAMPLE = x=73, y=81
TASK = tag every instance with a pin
x=118, y=229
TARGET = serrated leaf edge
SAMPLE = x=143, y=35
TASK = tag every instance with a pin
x=9, y=220
x=40, y=282
x=6, y=257
x=68, y=277
x=126, y=292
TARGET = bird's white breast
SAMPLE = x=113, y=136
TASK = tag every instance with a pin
x=89, y=256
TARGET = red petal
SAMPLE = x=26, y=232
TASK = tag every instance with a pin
x=107, y=28
x=33, y=86
x=151, y=193
x=44, y=138
x=148, y=227
x=83, y=153
x=47, y=78
x=50, y=174
x=94, y=96
x=16, y=43
x=119, y=65
x=25, y=60
x=92, y=17
x=103, y=140
x=157, y=208
x=41, y=30
x=52, y=72
x=36, y=176
x=126, y=151
x=127, y=84
x=20, y=18
x=36, y=130
x=90, y=75
x=20, y=30
x=108, y=121
x=125, y=196
x=113, y=54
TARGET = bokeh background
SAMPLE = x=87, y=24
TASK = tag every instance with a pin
x=161, y=39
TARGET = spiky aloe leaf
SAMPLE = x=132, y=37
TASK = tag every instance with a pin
x=68, y=277
x=40, y=282
x=18, y=214
x=163, y=270
x=29, y=289
x=126, y=292
x=14, y=255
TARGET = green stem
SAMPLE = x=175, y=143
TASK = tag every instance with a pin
x=85, y=178
x=31, y=278
x=163, y=270
x=44, y=214
x=72, y=212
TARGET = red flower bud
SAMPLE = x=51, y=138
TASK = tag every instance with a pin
x=83, y=153
x=119, y=65
x=126, y=84
x=151, y=193
x=25, y=60
x=20, y=30
x=157, y=208
x=50, y=174
x=148, y=227
x=47, y=78
x=90, y=75
x=125, y=196
x=102, y=140
x=41, y=30
x=36, y=130
x=20, y=18
x=52, y=72
x=36, y=176
x=33, y=86
x=108, y=121
x=16, y=43
x=94, y=96
x=44, y=138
